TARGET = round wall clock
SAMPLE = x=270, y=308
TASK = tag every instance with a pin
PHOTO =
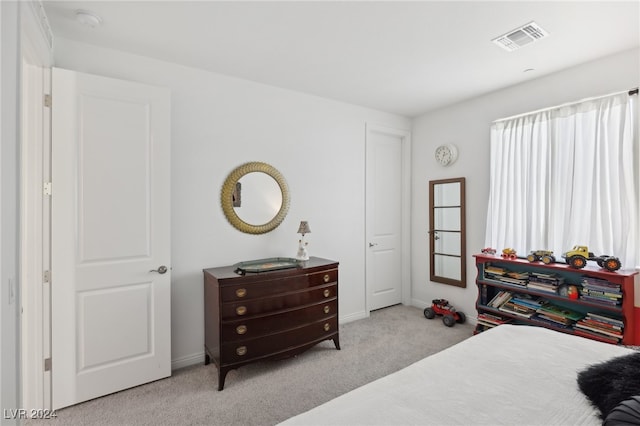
x=446, y=154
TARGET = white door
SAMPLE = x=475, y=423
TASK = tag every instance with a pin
x=386, y=209
x=110, y=229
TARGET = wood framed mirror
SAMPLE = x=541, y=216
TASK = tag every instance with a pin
x=255, y=198
x=447, y=237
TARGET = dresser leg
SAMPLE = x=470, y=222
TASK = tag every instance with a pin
x=336, y=341
x=222, y=375
x=207, y=359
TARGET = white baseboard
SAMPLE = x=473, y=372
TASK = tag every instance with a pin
x=353, y=317
x=187, y=361
x=420, y=303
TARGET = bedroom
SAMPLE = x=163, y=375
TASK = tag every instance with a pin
x=297, y=133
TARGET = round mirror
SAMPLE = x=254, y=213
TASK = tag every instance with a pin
x=255, y=198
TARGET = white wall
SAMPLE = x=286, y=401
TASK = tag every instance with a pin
x=9, y=153
x=467, y=125
x=219, y=123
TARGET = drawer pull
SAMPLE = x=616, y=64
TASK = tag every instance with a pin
x=241, y=329
x=327, y=327
x=241, y=310
x=326, y=278
x=326, y=309
x=241, y=292
x=326, y=292
x=241, y=350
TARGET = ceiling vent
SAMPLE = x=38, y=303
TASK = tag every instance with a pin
x=515, y=39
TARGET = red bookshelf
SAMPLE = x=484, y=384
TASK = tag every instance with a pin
x=626, y=313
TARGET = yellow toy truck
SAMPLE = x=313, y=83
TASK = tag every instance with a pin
x=577, y=258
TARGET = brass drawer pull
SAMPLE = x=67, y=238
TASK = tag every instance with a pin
x=326, y=292
x=241, y=329
x=326, y=309
x=241, y=292
x=326, y=278
x=327, y=327
x=241, y=310
x=241, y=350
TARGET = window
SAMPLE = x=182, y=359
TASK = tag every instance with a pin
x=567, y=175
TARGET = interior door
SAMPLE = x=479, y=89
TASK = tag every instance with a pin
x=110, y=236
x=384, y=204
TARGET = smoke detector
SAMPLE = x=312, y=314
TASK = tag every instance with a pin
x=88, y=18
x=520, y=37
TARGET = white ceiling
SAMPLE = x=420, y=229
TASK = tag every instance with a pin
x=401, y=57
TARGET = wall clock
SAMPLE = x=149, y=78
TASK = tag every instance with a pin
x=446, y=154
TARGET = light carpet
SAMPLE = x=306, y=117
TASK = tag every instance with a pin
x=269, y=392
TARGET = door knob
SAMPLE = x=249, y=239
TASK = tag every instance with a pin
x=373, y=244
x=161, y=269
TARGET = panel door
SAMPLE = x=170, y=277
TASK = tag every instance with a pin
x=384, y=218
x=110, y=232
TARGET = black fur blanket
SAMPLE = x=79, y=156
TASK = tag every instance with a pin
x=609, y=383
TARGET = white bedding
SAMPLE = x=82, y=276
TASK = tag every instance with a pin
x=509, y=375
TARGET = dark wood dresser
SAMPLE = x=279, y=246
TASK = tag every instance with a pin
x=266, y=315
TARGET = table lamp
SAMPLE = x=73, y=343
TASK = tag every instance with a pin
x=303, y=254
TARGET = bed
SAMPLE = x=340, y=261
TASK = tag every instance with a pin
x=508, y=375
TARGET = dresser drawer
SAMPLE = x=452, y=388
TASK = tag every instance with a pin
x=250, y=328
x=252, y=290
x=251, y=307
x=278, y=342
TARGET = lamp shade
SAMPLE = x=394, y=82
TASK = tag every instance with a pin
x=304, y=228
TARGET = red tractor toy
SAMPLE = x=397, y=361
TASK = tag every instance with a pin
x=449, y=314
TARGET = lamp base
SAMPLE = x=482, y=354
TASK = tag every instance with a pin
x=302, y=254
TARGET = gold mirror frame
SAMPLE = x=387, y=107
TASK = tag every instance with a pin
x=229, y=186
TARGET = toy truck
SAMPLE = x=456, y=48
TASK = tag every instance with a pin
x=449, y=314
x=546, y=256
x=578, y=256
x=509, y=253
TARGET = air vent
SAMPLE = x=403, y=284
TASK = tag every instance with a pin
x=520, y=37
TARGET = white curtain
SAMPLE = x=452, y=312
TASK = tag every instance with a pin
x=567, y=176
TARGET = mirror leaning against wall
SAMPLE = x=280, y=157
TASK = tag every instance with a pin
x=255, y=198
x=447, y=238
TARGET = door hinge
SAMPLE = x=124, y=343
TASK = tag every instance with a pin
x=47, y=188
x=47, y=100
x=47, y=364
x=46, y=276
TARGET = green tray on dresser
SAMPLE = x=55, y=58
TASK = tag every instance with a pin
x=265, y=265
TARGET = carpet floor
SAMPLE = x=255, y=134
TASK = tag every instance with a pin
x=269, y=392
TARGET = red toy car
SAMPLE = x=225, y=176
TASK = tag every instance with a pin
x=449, y=314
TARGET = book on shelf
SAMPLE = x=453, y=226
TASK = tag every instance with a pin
x=494, y=271
x=595, y=336
x=514, y=281
x=492, y=322
x=543, y=287
x=601, y=324
x=555, y=311
x=605, y=318
x=608, y=294
x=601, y=300
x=600, y=283
x=528, y=301
x=518, y=275
x=608, y=332
x=547, y=321
x=552, y=279
x=500, y=298
x=515, y=309
x=493, y=318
